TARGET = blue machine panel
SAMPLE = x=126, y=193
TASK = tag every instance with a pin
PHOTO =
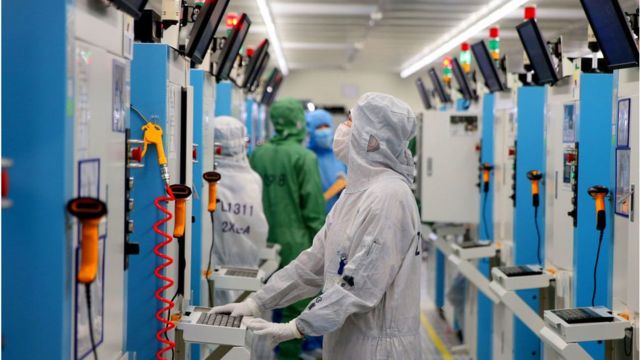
x=224, y=97
x=596, y=164
x=530, y=149
x=149, y=92
x=37, y=109
x=485, y=228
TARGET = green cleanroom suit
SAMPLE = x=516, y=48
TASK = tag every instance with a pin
x=292, y=195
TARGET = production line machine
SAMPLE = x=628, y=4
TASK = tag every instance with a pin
x=560, y=173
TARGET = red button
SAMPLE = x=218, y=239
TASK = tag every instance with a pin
x=512, y=151
x=571, y=157
x=5, y=183
x=195, y=153
x=136, y=154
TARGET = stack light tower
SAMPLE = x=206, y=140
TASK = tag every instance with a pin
x=465, y=57
x=446, y=70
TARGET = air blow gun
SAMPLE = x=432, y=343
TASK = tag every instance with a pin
x=153, y=135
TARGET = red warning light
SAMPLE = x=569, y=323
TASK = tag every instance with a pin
x=494, y=32
x=232, y=20
x=250, y=52
x=530, y=12
x=465, y=46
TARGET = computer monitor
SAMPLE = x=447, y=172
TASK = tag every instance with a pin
x=256, y=81
x=232, y=47
x=463, y=82
x=612, y=31
x=131, y=7
x=205, y=28
x=271, y=87
x=537, y=52
x=254, y=63
x=437, y=84
x=424, y=94
x=487, y=67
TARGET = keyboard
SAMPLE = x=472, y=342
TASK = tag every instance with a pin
x=472, y=244
x=581, y=316
x=513, y=271
x=224, y=320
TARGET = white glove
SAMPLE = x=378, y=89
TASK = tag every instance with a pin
x=246, y=308
x=275, y=333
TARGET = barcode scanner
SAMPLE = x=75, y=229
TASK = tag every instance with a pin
x=535, y=176
x=89, y=212
x=181, y=194
x=212, y=177
x=486, y=169
x=598, y=193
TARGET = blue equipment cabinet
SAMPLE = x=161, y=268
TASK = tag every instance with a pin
x=160, y=91
x=596, y=167
x=485, y=230
x=530, y=150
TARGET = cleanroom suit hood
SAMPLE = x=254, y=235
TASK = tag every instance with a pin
x=320, y=143
x=240, y=225
x=365, y=260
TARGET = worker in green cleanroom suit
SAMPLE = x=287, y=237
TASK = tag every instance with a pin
x=292, y=195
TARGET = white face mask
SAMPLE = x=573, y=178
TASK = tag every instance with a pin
x=341, y=143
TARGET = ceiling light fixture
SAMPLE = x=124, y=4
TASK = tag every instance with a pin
x=273, y=35
x=477, y=22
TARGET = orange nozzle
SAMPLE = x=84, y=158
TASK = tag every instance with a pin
x=212, y=177
x=89, y=211
x=181, y=193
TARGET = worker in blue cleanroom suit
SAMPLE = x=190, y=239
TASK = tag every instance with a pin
x=366, y=258
x=332, y=171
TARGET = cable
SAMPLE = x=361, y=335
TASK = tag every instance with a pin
x=484, y=216
x=87, y=293
x=158, y=273
x=213, y=236
x=139, y=113
x=535, y=221
x=628, y=349
x=595, y=270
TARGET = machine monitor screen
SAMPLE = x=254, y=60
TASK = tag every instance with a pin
x=437, y=84
x=131, y=7
x=461, y=79
x=537, y=52
x=254, y=63
x=232, y=48
x=612, y=31
x=424, y=94
x=204, y=29
x=271, y=88
x=256, y=81
x=487, y=67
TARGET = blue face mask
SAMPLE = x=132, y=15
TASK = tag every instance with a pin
x=323, y=138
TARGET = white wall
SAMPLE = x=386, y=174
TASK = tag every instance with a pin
x=327, y=87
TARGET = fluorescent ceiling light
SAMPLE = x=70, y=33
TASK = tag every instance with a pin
x=476, y=23
x=314, y=46
x=273, y=35
x=282, y=8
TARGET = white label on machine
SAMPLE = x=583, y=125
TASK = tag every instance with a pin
x=172, y=101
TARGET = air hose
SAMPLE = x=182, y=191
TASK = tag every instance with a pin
x=167, y=325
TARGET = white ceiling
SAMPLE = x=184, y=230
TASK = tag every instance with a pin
x=337, y=33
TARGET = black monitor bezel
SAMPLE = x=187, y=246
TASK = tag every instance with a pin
x=547, y=59
x=438, y=85
x=267, y=97
x=225, y=59
x=254, y=64
x=424, y=94
x=479, y=49
x=128, y=8
x=206, y=15
x=263, y=66
x=627, y=34
x=462, y=80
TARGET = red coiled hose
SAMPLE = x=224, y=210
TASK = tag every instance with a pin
x=166, y=324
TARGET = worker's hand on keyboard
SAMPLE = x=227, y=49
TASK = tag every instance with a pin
x=246, y=308
x=275, y=333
